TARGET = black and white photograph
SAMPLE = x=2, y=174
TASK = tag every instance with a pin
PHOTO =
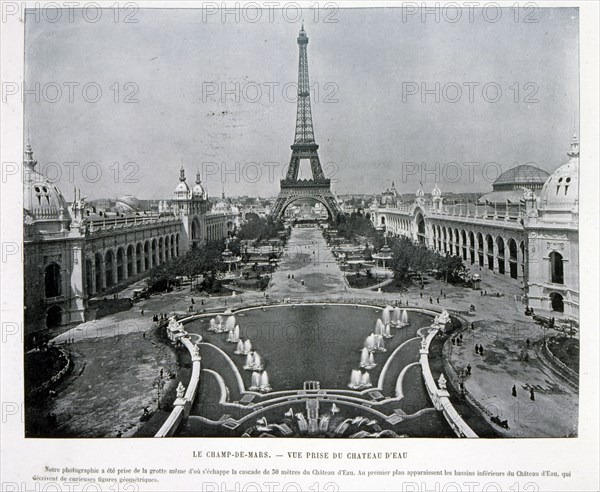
x=327, y=223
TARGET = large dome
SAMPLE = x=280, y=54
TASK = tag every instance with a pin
x=561, y=190
x=41, y=198
x=524, y=175
x=129, y=203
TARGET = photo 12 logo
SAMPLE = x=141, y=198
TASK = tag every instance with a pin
x=70, y=11
x=71, y=92
x=472, y=92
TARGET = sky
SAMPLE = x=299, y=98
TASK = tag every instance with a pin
x=217, y=95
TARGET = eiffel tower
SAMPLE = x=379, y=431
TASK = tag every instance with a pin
x=304, y=147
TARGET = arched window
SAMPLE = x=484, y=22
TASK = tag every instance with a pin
x=138, y=258
x=53, y=280
x=98, y=267
x=89, y=281
x=120, y=265
x=557, y=302
x=108, y=268
x=556, y=268
x=54, y=317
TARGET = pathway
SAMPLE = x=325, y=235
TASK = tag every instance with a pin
x=312, y=265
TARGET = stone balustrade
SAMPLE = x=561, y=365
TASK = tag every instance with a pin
x=439, y=394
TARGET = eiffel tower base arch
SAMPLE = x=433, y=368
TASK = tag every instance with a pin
x=305, y=189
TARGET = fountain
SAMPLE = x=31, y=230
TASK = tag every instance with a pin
x=239, y=350
x=264, y=382
x=379, y=344
x=379, y=328
x=249, y=366
x=258, y=365
x=386, y=332
x=386, y=314
x=247, y=347
x=396, y=316
x=355, y=378
x=255, y=384
x=230, y=323
x=233, y=336
x=367, y=360
x=370, y=342
x=404, y=320
x=365, y=380
x=212, y=325
x=364, y=357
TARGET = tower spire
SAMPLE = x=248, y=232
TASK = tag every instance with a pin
x=182, y=174
x=29, y=160
x=304, y=125
x=574, y=152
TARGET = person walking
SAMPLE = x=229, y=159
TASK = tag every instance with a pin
x=531, y=395
x=476, y=348
x=469, y=369
x=514, y=390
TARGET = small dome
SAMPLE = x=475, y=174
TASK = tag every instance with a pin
x=436, y=192
x=198, y=190
x=420, y=193
x=182, y=190
x=182, y=187
x=561, y=190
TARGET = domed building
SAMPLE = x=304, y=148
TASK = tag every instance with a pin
x=43, y=203
x=129, y=204
x=54, y=291
x=390, y=198
x=507, y=189
x=74, y=251
x=552, y=225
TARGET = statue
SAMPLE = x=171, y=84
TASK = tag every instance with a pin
x=180, y=390
x=441, y=382
x=196, y=351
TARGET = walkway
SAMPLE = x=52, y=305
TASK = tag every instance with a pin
x=309, y=260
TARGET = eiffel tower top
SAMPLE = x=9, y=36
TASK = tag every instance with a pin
x=304, y=127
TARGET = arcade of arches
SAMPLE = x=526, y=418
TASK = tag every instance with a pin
x=503, y=253
x=113, y=266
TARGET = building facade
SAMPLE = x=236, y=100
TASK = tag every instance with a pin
x=525, y=229
x=72, y=252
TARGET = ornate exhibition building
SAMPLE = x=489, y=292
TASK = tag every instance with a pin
x=74, y=250
x=526, y=229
